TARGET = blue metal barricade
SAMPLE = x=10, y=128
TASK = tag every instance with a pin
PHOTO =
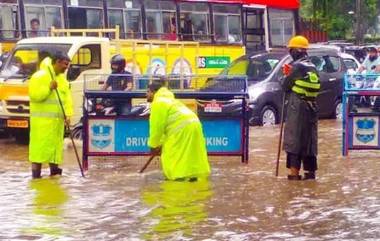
x=221, y=104
x=361, y=112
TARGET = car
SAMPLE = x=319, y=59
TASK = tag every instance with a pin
x=359, y=52
x=351, y=62
x=264, y=74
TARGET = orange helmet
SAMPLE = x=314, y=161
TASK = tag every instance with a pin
x=298, y=42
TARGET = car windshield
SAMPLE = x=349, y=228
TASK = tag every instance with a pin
x=257, y=67
x=261, y=66
x=25, y=59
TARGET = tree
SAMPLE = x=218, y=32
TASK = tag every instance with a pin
x=334, y=18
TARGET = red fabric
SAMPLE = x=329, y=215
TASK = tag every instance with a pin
x=288, y=4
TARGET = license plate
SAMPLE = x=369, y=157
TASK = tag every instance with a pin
x=17, y=123
x=213, y=107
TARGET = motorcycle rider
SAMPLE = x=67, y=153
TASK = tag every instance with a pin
x=120, y=79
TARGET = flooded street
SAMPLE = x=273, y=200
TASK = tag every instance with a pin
x=238, y=202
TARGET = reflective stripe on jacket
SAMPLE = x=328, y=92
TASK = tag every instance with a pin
x=308, y=87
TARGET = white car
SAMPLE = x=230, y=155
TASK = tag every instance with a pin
x=351, y=63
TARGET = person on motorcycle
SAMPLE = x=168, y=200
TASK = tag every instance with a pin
x=120, y=79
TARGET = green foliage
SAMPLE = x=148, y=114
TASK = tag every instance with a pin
x=334, y=18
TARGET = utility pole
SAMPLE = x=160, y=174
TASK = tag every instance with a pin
x=358, y=30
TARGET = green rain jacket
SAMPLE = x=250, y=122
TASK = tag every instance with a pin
x=46, y=117
x=178, y=130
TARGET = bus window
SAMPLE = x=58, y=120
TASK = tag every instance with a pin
x=195, y=22
x=40, y=18
x=227, y=23
x=281, y=26
x=133, y=20
x=115, y=17
x=87, y=57
x=8, y=21
x=86, y=14
x=126, y=14
x=160, y=20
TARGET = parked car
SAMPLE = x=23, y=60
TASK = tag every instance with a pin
x=359, y=52
x=350, y=61
x=264, y=74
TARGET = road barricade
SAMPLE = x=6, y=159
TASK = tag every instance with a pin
x=109, y=129
x=361, y=113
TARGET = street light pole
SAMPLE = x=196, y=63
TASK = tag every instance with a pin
x=351, y=13
x=358, y=30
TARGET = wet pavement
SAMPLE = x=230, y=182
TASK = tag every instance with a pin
x=238, y=202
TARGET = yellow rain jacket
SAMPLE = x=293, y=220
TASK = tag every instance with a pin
x=178, y=130
x=46, y=117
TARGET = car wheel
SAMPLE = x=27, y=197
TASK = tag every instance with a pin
x=338, y=110
x=268, y=116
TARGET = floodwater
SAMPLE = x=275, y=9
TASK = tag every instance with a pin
x=238, y=202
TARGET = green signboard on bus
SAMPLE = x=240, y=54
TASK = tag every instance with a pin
x=213, y=62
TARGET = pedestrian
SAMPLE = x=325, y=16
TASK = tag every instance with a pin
x=301, y=85
x=47, y=123
x=371, y=63
x=120, y=79
x=176, y=133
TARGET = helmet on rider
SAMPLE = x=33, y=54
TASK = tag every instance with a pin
x=117, y=63
x=297, y=47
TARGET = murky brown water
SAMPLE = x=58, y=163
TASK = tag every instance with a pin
x=238, y=202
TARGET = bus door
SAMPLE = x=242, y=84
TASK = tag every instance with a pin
x=255, y=35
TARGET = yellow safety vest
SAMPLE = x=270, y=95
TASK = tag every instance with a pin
x=308, y=87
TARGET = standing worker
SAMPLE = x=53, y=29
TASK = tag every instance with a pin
x=120, y=80
x=46, y=117
x=301, y=84
x=176, y=132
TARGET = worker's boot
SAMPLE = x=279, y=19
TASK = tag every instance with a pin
x=309, y=176
x=36, y=174
x=36, y=170
x=294, y=174
x=55, y=170
x=294, y=177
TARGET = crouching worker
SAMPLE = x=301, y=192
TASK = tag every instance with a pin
x=176, y=133
x=47, y=123
x=301, y=129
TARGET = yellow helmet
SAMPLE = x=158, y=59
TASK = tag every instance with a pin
x=298, y=42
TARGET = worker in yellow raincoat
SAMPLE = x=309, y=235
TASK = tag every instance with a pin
x=46, y=117
x=176, y=132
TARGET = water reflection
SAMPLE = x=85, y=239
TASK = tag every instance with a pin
x=47, y=206
x=239, y=202
x=177, y=208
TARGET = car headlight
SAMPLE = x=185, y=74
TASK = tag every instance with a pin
x=254, y=93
